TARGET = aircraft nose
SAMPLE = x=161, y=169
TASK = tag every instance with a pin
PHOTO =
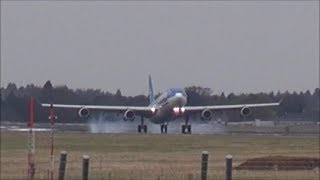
x=181, y=99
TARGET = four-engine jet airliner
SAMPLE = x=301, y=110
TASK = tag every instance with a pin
x=167, y=107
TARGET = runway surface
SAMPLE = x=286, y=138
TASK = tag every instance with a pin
x=96, y=126
x=198, y=127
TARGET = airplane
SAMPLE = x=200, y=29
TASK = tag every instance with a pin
x=167, y=107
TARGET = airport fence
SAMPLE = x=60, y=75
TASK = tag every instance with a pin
x=85, y=167
x=123, y=159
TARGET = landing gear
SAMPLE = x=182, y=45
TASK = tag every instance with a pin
x=142, y=127
x=164, y=128
x=186, y=128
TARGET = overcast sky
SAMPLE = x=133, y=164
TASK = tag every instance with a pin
x=228, y=46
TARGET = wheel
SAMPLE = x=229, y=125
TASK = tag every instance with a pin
x=161, y=128
x=165, y=129
x=139, y=128
x=183, y=129
x=189, y=129
x=145, y=129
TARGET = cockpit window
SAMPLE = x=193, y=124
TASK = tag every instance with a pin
x=171, y=92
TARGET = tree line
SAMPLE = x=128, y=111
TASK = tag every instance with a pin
x=14, y=102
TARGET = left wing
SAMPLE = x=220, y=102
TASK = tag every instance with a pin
x=226, y=107
x=98, y=107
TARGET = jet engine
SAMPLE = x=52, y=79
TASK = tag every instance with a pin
x=245, y=112
x=84, y=112
x=206, y=114
x=129, y=115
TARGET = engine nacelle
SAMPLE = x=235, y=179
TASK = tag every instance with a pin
x=245, y=112
x=84, y=112
x=206, y=114
x=129, y=115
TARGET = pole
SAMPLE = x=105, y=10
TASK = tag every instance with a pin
x=204, y=165
x=51, y=156
x=31, y=140
x=62, y=166
x=52, y=118
x=85, y=167
x=228, y=167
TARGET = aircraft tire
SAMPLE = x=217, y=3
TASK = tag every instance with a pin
x=165, y=129
x=189, y=129
x=183, y=129
x=145, y=128
x=139, y=128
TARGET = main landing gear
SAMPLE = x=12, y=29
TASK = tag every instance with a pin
x=164, y=128
x=186, y=128
x=142, y=127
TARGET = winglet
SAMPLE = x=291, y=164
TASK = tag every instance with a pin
x=151, y=92
x=280, y=101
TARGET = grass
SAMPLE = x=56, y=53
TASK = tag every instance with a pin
x=149, y=156
x=280, y=129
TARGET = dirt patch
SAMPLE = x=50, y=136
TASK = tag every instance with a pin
x=280, y=163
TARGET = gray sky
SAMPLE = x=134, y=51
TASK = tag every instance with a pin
x=227, y=46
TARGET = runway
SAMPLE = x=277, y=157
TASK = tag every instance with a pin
x=198, y=127
x=95, y=126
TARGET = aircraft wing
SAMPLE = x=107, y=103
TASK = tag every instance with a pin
x=137, y=109
x=227, y=107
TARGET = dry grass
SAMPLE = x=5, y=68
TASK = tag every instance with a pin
x=148, y=156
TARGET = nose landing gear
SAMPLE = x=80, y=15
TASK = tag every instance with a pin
x=164, y=128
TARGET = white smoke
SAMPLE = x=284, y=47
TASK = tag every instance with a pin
x=97, y=124
x=108, y=123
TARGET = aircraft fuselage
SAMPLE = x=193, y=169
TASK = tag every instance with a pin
x=169, y=106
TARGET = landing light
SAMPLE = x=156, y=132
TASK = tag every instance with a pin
x=153, y=110
x=183, y=109
x=176, y=110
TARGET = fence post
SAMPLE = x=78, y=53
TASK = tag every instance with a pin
x=85, y=167
x=204, y=165
x=62, y=165
x=229, y=167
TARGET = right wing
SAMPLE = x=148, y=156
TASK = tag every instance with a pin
x=139, y=110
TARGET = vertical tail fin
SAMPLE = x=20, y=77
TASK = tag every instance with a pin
x=151, y=93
